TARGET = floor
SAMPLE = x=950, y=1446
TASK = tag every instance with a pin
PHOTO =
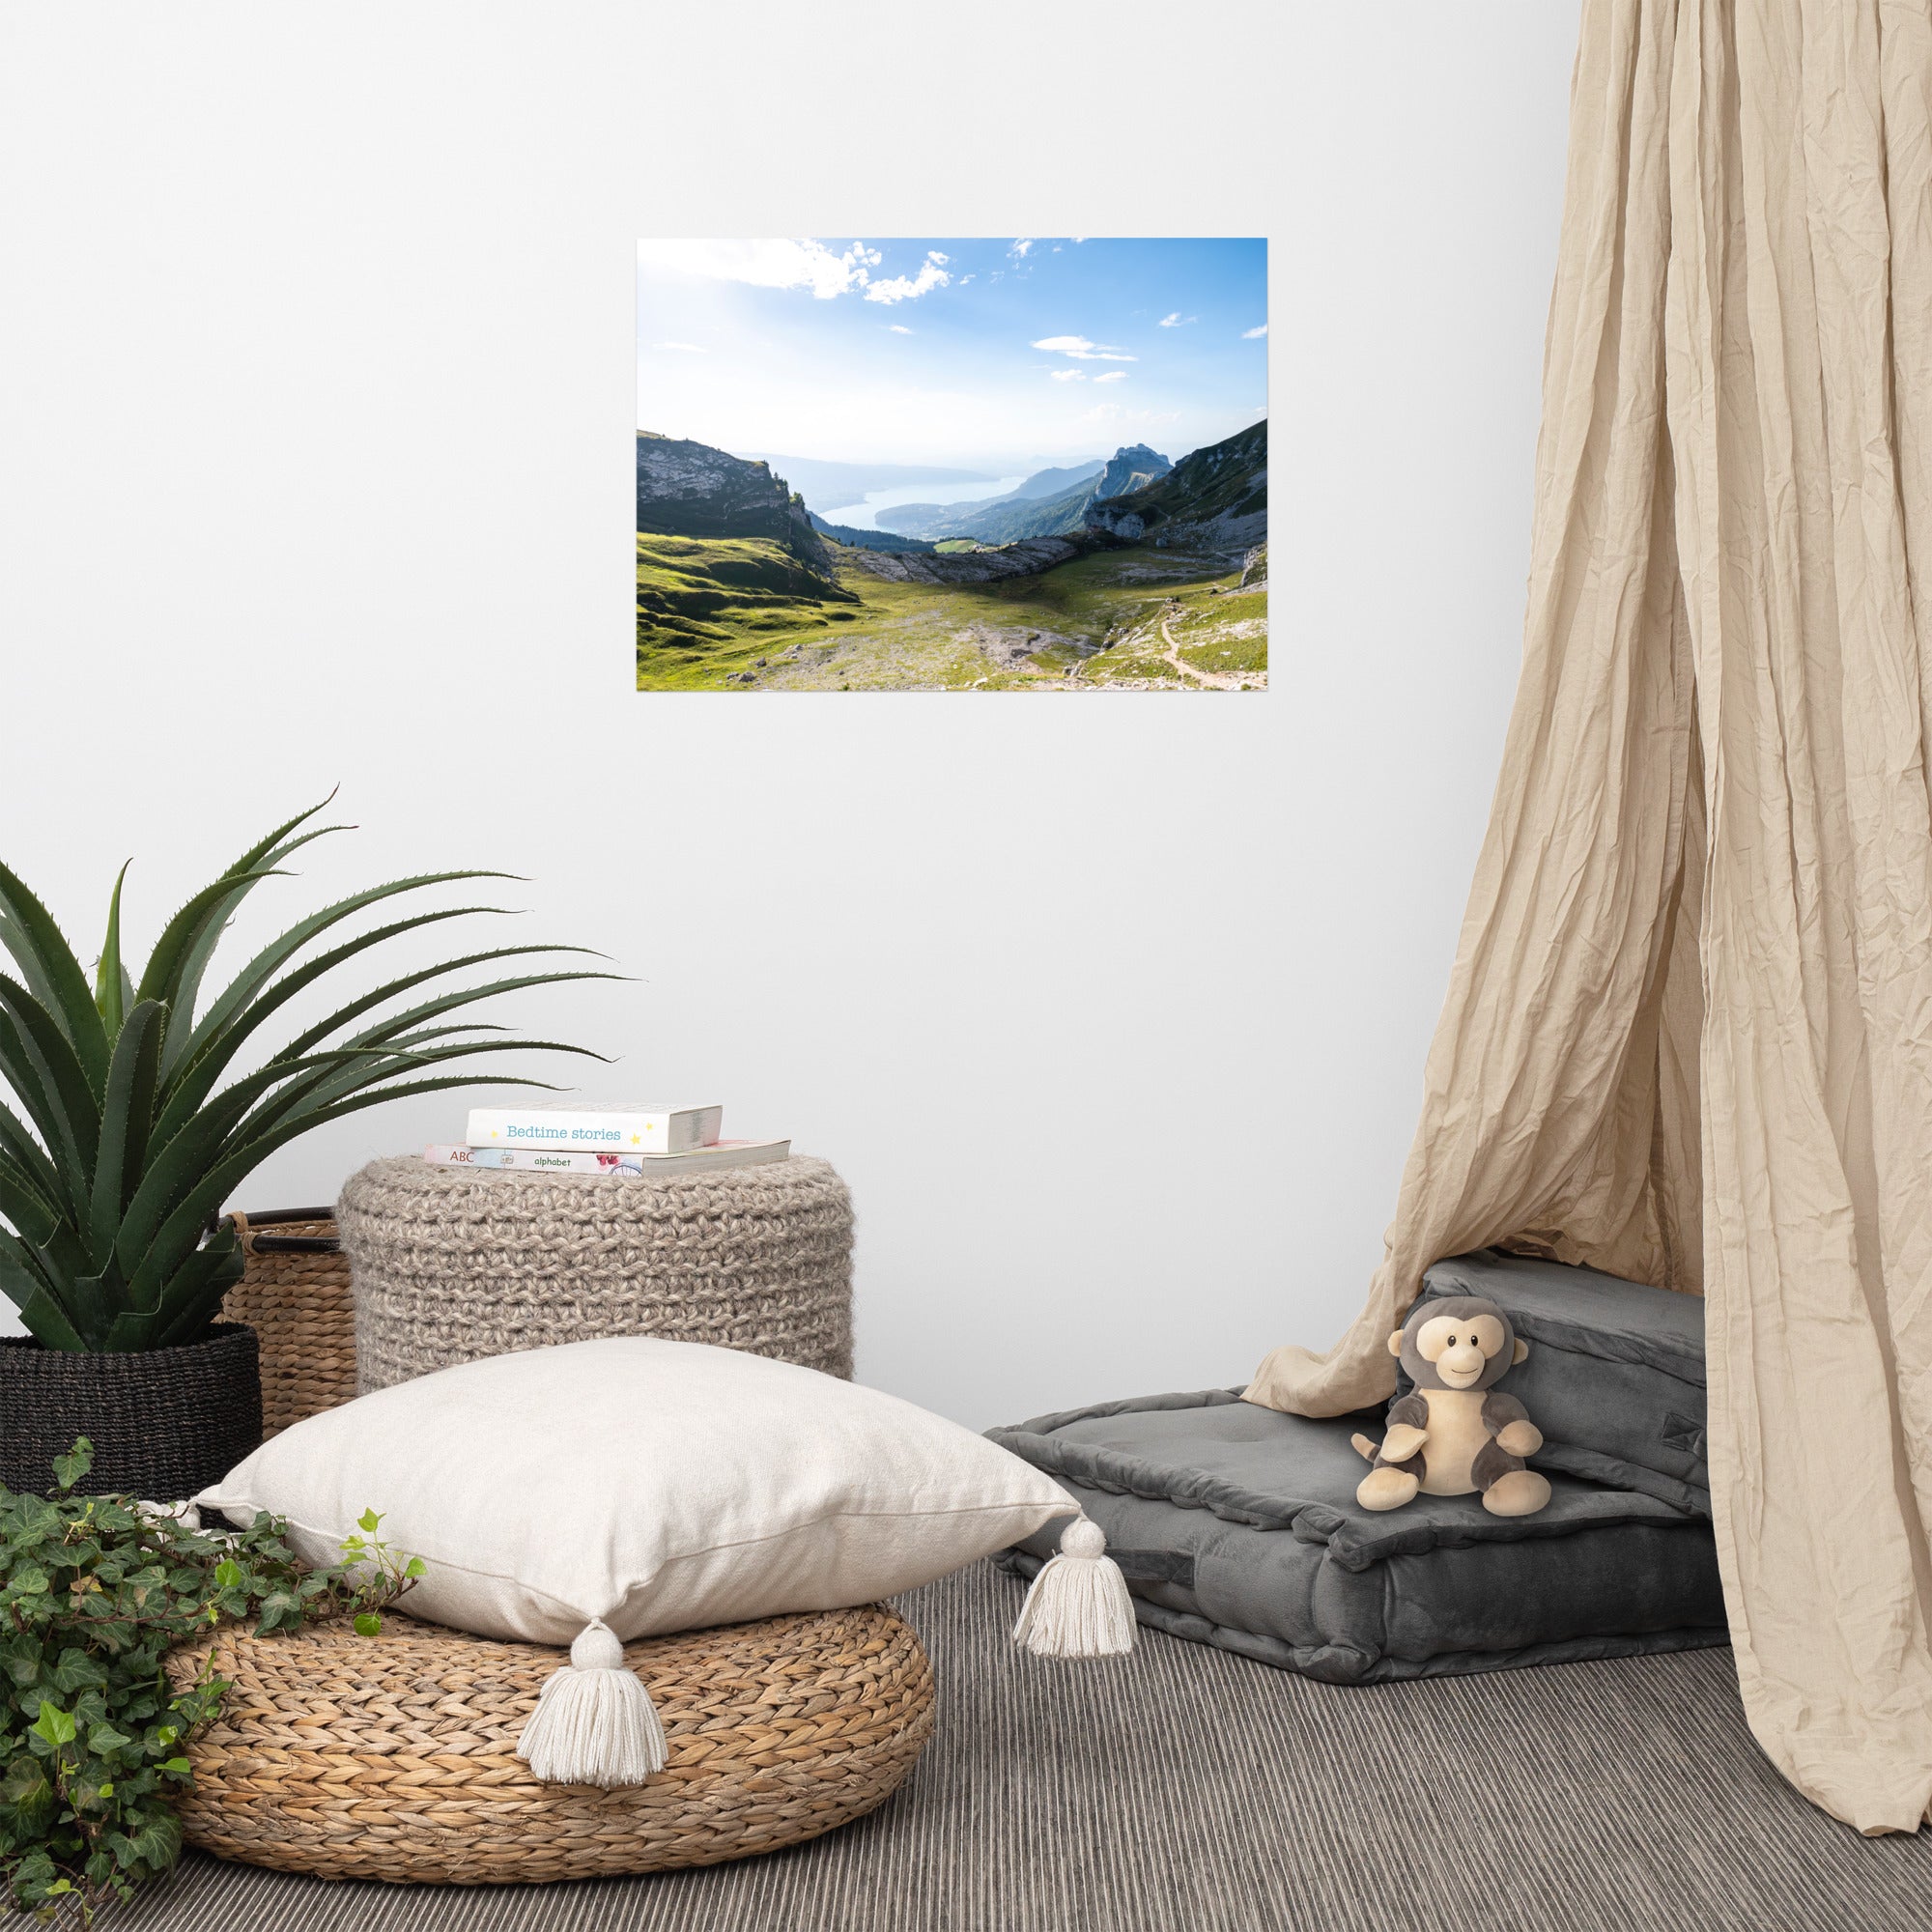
x=1183, y=1790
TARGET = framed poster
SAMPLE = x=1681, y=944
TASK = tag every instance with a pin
x=953, y=465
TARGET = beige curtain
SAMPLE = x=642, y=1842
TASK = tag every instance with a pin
x=1688, y=1031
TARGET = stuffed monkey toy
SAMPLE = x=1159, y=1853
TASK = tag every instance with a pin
x=1456, y=1434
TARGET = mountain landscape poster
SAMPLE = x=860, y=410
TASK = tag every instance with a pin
x=953, y=465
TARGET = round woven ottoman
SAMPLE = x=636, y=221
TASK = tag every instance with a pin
x=394, y=1756
x=452, y=1264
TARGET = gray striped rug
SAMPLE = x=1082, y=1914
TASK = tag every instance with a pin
x=1189, y=1791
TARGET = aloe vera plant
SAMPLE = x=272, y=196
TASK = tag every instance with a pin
x=123, y=1141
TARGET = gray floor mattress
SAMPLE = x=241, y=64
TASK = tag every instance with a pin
x=1616, y=1375
x=1238, y=1527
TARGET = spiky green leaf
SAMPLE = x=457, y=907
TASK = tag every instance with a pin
x=320, y=1089
x=452, y=1002
x=273, y=958
x=30, y=1192
x=177, y=1158
x=49, y=1070
x=214, y=1045
x=110, y=977
x=47, y=965
x=127, y=1112
x=265, y=855
x=29, y=1216
x=25, y=1282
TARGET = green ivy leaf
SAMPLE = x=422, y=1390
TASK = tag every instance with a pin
x=175, y=1767
x=84, y=1794
x=53, y=1725
x=21, y=1660
x=415, y=1567
x=70, y=1469
x=368, y=1624
x=74, y=1671
x=34, y=1876
x=369, y=1521
x=25, y=1783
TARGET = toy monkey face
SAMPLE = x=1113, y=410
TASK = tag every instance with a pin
x=1457, y=1341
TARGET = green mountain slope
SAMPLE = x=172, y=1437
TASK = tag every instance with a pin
x=705, y=605
x=1218, y=495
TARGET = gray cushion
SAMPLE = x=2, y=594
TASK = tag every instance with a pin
x=1616, y=1375
x=1237, y=1525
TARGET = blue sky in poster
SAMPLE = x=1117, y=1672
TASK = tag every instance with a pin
x=1004, y=356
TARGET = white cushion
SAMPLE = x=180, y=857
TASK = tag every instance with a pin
x=655, y=1486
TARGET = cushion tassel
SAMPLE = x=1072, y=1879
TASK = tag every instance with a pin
x=594, y=1722
x=1079, y=1604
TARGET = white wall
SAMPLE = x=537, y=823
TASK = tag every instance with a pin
x=315, y=466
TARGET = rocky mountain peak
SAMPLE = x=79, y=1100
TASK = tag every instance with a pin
x=1216, y=496
x=692, y=489
x=1133, y=466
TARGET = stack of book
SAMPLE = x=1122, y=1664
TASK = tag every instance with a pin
x=603, y=1140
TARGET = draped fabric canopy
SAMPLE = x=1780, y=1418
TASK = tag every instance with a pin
x=1688, y=1031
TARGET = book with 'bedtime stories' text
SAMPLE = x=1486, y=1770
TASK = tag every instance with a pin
x=543, y=1160
x=623, y=1129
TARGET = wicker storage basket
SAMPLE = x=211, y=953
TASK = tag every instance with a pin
x=296, y=1297
x=394, y=1756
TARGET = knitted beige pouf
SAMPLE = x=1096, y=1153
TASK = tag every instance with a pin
x=453, y=1263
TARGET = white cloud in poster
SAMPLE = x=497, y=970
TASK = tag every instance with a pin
x=767, y=264
x=1249, y=334
x=1176, y=320
x=1083, y=350
x=1068, y=375
x=1112, y=376
x=1143, y=420
x=908, y=288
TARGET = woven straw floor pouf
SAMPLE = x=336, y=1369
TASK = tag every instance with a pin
x=452, y=1264
x=394, y=1756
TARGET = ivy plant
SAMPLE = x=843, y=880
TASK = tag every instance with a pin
x=95, y=1591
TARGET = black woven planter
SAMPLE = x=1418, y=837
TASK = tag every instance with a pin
x=164, y=1423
